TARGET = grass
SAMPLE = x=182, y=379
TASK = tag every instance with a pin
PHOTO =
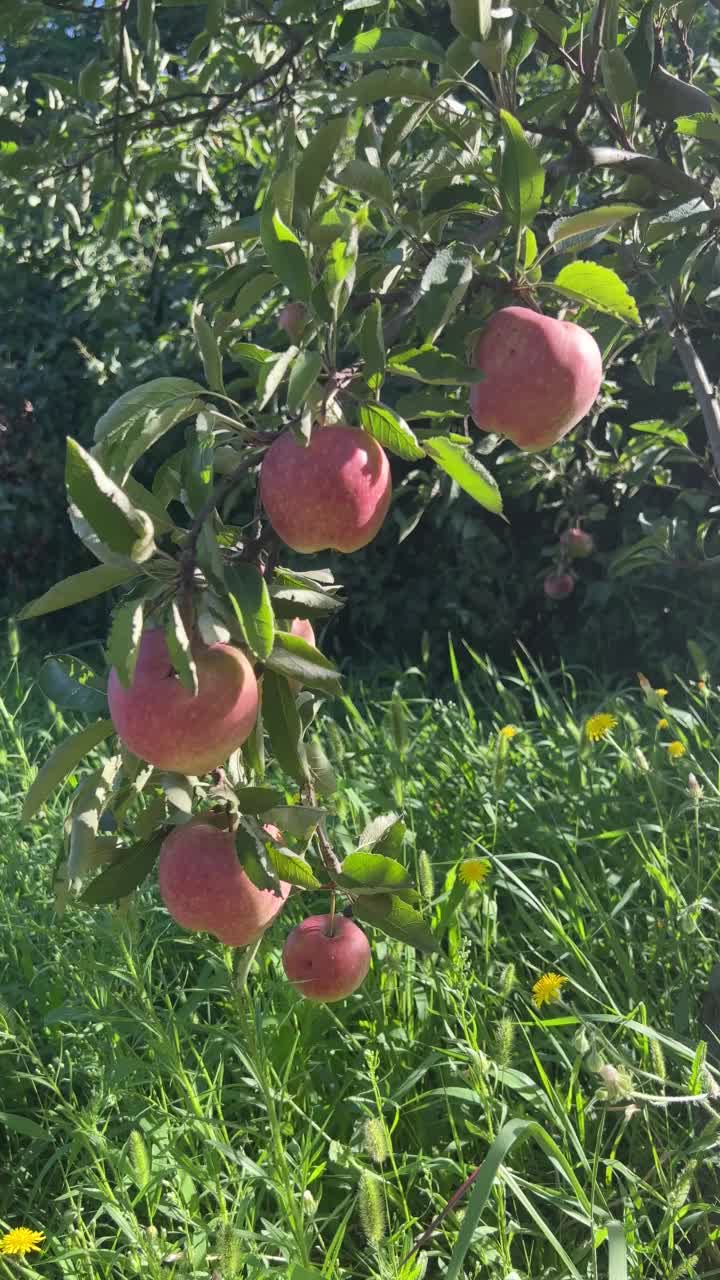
x=158, y=1120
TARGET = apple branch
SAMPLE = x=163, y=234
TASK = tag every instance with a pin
x=658, y=172
x=703, y=390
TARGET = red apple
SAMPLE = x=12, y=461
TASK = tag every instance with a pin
x=541, y=377
x=293, y=318
x=558, y=586
x=204, y=887
x=332, y=494
x=301, y=627
x=161, y=722
x=577, y=543
x=326, y=965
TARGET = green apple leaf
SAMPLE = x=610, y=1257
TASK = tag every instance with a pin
x=124, y=639
x=285, y=254
x=178, y=643
x=117, y=522
x=79, y=587
x=465, y=469
x=373, y=873
x=125, y=874
x=396, y=918
x=597, y=287
x=250, y=600
x=295, y=659
x=282, y=722
x=522, y=180
x=390, y=430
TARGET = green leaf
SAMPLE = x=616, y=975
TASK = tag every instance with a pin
x=375, y=830
x=339, y=274
x=445, y=282
x=282, y=722
x=285, y=254
x=472, y=18
x=88, y=803
x=390, y=45
x=73, y=686
x=209, y=350
x=431, y=404
x=316, y=160
x=392, y=839
x=427, y=364
x=251, y=293
x=257, y=800
x=30, y=1129
x=390, y=429
x=522, y=180
x=295, y=659
x=368, y=179
x=249, y=597
x=126, y=874
x=61, y=762
x=124, y=639
x=385, y=86
x=178, y=643
x=597, y=287
x=373, y=872
x=81, y=586
x=272, y=374
x=297, y=820
x=704, y=126
x=291, y=868
x=396, y=918
x=323, y=774
x=465, y=470
x=128, y=414
x=303, y=602
x=581, y=230
x=617, y=76
x=303, y=376
x=120, y=526
x=639, y=48
x=236, y=232
x=371, y=341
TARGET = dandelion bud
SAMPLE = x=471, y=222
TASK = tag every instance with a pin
x=642, y=761
x=617, y=1082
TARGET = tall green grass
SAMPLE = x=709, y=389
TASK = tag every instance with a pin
x=161, y=1117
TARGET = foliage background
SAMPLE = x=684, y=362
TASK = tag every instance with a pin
x=97, y=278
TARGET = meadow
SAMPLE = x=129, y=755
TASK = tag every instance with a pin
x=160, y=1116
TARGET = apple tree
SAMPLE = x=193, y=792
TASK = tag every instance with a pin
x=389, y=184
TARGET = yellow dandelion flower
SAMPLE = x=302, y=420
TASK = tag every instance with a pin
x=508, y=731
x=21, y=1240
x=548, y=989
x=663, y=724
x=600, y=726
x=661, y=693
x=675, y=750
x=474, y=870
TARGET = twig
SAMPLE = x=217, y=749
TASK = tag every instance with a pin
x=703, y=390
x=119, y=86
x=658, y=172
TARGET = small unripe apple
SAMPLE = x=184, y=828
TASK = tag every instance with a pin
x=332, y=494
x=293, y=318
x=541, y=376
x=558, y=586
x=205, y=888
x=326, y=959
x=577, y=543
x=160, y=721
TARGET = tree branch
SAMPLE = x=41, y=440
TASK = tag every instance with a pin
x=703, y=390
x=658, y=172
